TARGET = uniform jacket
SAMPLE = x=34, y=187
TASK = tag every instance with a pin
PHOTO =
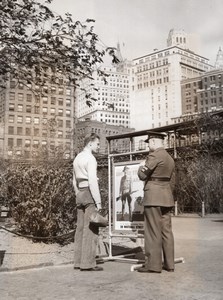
x=159, y=164
x=125, y=185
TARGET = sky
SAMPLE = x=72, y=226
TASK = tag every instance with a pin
x=143, y=25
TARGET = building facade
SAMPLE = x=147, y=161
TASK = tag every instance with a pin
x=36, y=120
x=112, y=102
x=156, y=83
x=102, y=129
x=203, y=94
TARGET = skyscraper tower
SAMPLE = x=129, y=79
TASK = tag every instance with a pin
x=219, y=59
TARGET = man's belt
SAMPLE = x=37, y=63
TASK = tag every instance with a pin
x=159, y=179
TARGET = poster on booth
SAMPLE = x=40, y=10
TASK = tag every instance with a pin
x=127, y=197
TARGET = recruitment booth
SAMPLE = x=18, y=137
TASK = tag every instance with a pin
x=125, y=190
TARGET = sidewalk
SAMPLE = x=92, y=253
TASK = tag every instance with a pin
x=198, y=240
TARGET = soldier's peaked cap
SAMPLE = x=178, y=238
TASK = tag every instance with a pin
x=156, y=135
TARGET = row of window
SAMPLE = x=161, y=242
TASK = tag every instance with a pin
x=153, y=82
x=36, y=131
x=45, y=99
x=152, y=65
x=34, y=120
x=61, y=90
x=114, y=121
x=18, y=142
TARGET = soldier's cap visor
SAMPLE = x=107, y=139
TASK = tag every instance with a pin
x=156, y=135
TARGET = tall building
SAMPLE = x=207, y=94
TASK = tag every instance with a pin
x=156, y=82
x=203, y=94
x=36, y=123
x=112, y=102
x=219, y=59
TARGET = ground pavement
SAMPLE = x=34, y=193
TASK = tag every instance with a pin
x=198, y=240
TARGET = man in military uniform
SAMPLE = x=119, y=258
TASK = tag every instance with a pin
x=158, y=201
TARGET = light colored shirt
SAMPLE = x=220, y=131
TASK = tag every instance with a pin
x=85, y=174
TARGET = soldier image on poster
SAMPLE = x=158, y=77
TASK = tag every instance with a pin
x=128, y=193
x=125, y=191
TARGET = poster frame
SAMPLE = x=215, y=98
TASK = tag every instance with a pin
x=127, y=213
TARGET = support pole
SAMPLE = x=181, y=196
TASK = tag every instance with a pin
x=175, y=208
x=202, y=209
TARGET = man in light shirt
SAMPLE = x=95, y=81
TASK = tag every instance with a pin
x=88, y=199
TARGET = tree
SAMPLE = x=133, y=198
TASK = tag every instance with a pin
x=35, y=43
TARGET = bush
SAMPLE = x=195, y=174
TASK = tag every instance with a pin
x=41, y=196
x=200, y=179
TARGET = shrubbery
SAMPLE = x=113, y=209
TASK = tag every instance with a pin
x=42, y=200
x=41, y=196
x=199, y=179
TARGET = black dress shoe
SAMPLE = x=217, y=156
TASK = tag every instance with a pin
x=168, y=270
x=93, y=269
x=145, y=270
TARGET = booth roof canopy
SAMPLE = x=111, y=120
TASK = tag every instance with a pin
x=182, y=126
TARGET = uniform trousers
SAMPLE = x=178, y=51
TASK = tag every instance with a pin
x=86, y=235
x=159, y=240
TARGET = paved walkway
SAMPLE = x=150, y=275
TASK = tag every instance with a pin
x=198, y=240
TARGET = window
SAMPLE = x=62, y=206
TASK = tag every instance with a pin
x=60, y=90
x=10, y=142
x=27, y=142
x=36, y=109
x=19, y=119
x=44, y=132
x=28, y=131
x=45, y=110
x=11, y=119
x=53, y=100
x=52, y=111
x=68, y=92
x=68, y=112
x=36, y=131
x=60, y=123
x=68, y=123
x=60, y=134
x=19, y=130
x=28, y=120
x=10, y=130
x=68, y=102
x=45, y=89
x=29, y=97
x=53, y=89
x=36, y=120
x=12, y=84
x=20, y=97
x=11, y=106
x=60, y=101
x=28, y=108
x=60, y=112
x=45, y=99
x=12, y=96
x=20, y=107
x=36, y=143
x=19, y=142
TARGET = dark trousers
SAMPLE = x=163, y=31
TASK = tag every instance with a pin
x=126, y=196
x=159, y=241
